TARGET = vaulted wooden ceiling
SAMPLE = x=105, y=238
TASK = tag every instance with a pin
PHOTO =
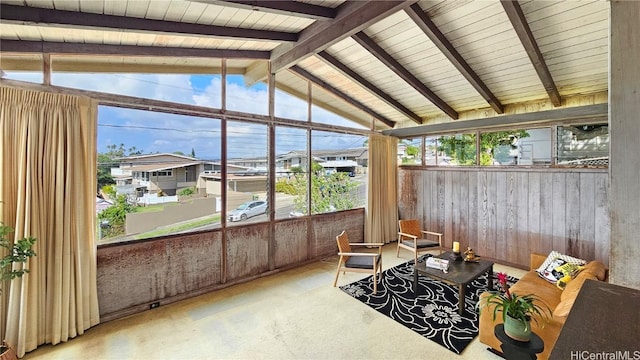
x=402, y=63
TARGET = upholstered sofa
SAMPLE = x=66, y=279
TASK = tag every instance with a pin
x=559, y=301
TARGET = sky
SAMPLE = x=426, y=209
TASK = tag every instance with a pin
x=152, y=132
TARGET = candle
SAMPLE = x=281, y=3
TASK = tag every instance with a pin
x=456, y=247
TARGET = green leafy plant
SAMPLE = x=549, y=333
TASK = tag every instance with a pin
x=525, y=308
x=18, y=252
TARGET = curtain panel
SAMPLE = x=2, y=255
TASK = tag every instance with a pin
x=47, y=190
x=381, y=218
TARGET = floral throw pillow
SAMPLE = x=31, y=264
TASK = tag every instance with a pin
x=556, y=265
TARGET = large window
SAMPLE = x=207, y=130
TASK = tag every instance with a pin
x=161, y=174
x=151, y=174
x=410, y=151
x=247, y=173
x=338, y=171
x=241, y=97
x=292, y=172
x=458, y=149
x=202, y=90
x=291, y=99
x=583, y=145
x=577, y=145
x=516, y=147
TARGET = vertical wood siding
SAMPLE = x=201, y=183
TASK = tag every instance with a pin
x=506, y=214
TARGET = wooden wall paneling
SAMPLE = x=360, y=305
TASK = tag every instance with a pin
x=456, y=204
x=448, y=209
x=501, y=216
x=432, y=178
x=546, y=213
x=572, y=231
x=249, y=249
x=586, y=235
x=512, y=217
x=492, y=196
x=427, y=200
x=483, y=215
x=533, y=209
x=602, y=223
x=473, y=210
x=408, y=198
x=455, y=208
x=522, y=215
x=463, y=209
x=290, y=242
x=418, y=182
x=559, y=212
x=440, y=184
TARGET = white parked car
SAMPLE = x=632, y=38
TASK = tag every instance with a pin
x=247, y=210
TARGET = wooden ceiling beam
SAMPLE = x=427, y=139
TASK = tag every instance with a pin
x=20, y=46
x=24, y=15
x=521, y=26
x=330, y=89
x=289, y=8
x=346, y=71
x=423, y=21
x=377, y=51
x=351, y=17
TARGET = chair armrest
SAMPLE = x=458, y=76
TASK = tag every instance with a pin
x=431, y=233
x=367, y=244
x=358, y=254
x=400, y=234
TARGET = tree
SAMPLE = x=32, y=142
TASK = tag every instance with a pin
x=462, y=147
x=411, y=151
x=115, y=216
x=193, y=152
x=329, y=192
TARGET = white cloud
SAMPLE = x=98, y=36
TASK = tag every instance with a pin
x=161, y=132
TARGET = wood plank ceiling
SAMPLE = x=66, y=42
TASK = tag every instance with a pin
x=402, y=63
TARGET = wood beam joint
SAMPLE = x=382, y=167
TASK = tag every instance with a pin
x=322, y=84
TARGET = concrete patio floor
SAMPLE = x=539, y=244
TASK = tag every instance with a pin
x=295, y=314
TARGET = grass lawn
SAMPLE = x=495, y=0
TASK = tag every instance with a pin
x=179, y=228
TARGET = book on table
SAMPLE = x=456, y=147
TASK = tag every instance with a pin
x=437, y=263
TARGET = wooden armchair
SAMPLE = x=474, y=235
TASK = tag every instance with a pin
x=411, y=237
x=367, y=262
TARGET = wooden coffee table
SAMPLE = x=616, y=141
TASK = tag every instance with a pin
x=460, y=273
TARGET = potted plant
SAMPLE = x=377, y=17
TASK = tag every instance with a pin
x=517, y=310
x=17, y=252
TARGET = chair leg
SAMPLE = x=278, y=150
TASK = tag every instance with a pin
x=337, y=274
x=398, y=249
x=375, y=281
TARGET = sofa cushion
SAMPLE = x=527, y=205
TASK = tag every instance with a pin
x=596, y=268
x=531, y=283
x=551, y=269
x=570, y=293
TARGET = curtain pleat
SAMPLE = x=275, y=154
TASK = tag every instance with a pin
x=48, y=176
x=381, y=219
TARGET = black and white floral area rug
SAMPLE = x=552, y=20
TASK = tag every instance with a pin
x=433, y=313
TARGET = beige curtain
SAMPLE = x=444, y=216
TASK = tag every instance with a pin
x=47, y=189
x=381, y=222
